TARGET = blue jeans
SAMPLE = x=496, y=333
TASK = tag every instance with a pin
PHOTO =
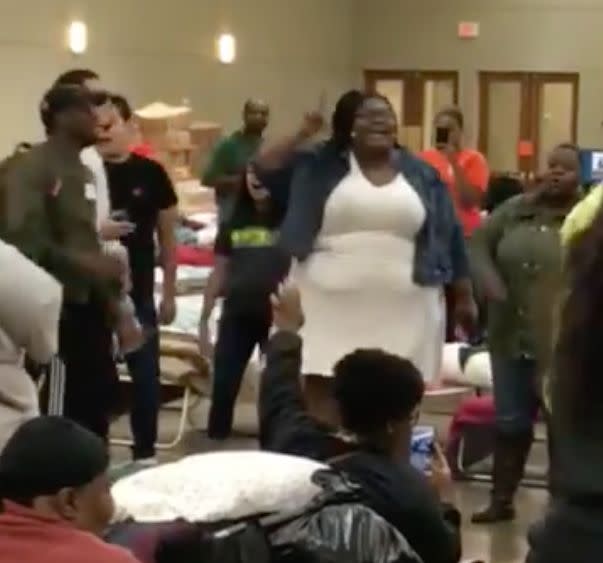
x=516, y=398
x=238, y=336
x=143, y=366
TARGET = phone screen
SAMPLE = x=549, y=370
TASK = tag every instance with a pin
x=442, y=135
x=421, y=447
x=120, y=215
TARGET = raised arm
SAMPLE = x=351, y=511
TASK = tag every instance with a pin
x=471, y=181
x=285, y=426
x=275, y=155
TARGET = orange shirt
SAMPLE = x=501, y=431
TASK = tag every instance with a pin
x=475, y=168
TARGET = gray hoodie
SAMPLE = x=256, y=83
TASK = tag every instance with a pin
x=30, y=305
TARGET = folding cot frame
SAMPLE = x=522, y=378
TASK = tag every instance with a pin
x=190, y=399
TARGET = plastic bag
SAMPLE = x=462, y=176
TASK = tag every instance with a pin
x=351, y=532
x=334, y=527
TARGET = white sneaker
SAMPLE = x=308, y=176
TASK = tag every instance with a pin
x=147, y=462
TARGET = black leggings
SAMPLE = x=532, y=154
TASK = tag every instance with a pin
x=238, y=336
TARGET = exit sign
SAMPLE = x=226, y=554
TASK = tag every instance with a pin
x=468, y=30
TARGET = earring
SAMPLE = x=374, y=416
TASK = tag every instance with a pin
x=353, y=135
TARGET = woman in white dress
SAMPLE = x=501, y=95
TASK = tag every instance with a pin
x=375, y=236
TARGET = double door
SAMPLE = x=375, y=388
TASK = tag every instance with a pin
x=523, y=116
x=416, y=97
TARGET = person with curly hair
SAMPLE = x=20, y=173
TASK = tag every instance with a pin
x=378, y=396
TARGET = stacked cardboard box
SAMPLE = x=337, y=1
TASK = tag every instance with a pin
x=179, y=143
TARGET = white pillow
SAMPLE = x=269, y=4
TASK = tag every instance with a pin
x=478, y=370
x=476, y=373
x=218, y=486
x=450, y=369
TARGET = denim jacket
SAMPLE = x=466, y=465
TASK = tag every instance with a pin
x=310, y=178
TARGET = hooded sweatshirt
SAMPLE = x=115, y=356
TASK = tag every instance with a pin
x=30, y=303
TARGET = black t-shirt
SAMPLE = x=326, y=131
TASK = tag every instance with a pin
x=142, y=188
x=256, y=263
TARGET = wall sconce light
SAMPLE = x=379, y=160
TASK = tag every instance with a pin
x=78, y=37
x=227, y=48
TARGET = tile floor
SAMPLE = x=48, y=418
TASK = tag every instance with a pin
x=504, y=543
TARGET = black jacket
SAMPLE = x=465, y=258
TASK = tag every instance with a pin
x=397, y=492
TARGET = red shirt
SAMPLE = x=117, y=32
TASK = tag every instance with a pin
x=28, y=537
x=475, y=168
x=143, y=149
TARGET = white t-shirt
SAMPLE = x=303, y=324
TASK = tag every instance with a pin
x=92, y=159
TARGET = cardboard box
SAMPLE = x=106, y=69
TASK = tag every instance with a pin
x=159, y=118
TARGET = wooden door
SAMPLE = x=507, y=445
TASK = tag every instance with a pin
x=416, y=97
x=555, y=113
x=523, y=116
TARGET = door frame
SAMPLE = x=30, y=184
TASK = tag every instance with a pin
x=414, y=80
x=485, y=79
x=531, y=103
x=541, y=78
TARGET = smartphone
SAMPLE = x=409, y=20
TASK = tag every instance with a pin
x=442, y=135
x=120, y=215
x=422, y=447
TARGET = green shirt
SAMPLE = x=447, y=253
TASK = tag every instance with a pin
x=520, y=241
x=49, y=214
x=229, y=157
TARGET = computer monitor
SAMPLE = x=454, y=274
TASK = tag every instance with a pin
x=591, y=166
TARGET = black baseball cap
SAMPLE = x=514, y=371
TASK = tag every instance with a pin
x=47, y=454
x=63, y=98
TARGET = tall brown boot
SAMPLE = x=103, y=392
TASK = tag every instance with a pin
x=510, y=455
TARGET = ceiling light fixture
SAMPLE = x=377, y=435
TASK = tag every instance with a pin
x=227, y=48
x=78, y=37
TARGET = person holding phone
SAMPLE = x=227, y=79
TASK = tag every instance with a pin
x=142, y=195
x=465, y=171
x=378, y=397
x=49, y=215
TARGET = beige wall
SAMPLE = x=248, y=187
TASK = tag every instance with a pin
x=529, y=35
x=289, y=50
x=163, y=49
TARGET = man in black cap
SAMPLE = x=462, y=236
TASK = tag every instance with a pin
x=49, y=214
x=56, y=496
